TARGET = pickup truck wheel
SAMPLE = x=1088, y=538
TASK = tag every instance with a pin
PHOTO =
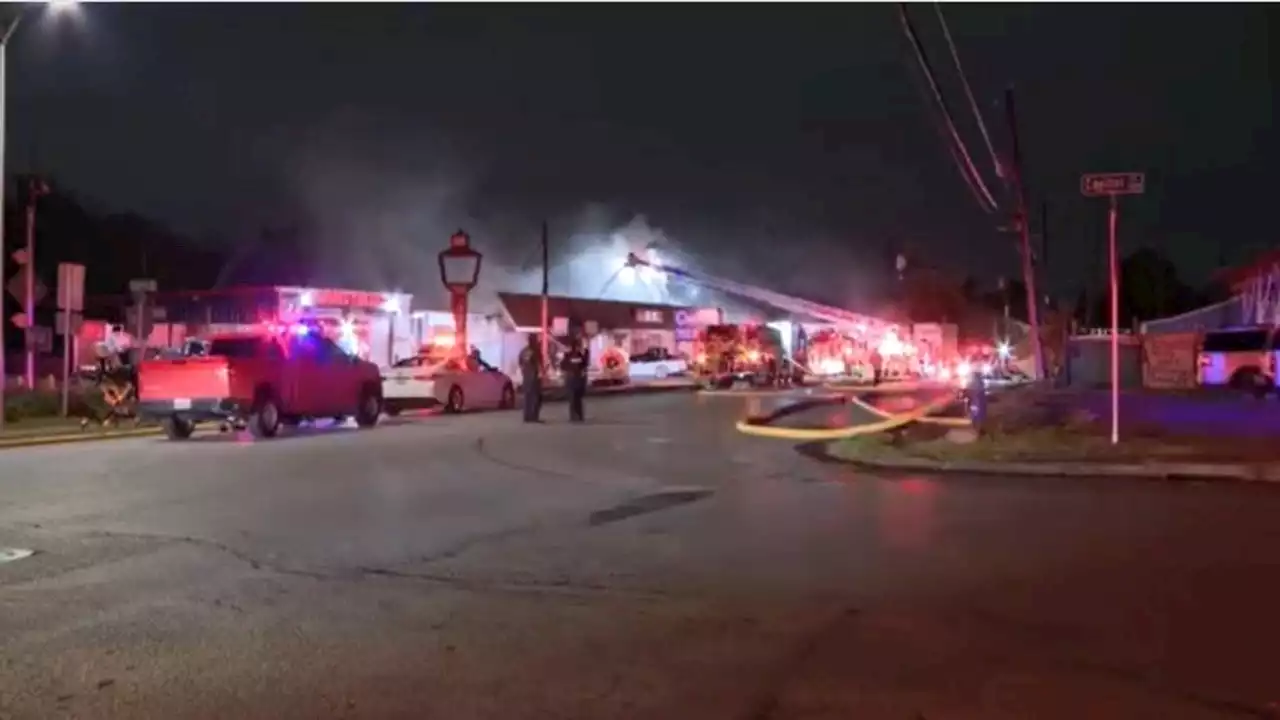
x=175, y=428
x=457, y=401
x=660, y=372
x=370, y=409
x=264, y=422
x=508, y=400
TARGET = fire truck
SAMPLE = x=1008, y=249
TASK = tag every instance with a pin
x=838, y=339
x=832, y=353
x=733, y=354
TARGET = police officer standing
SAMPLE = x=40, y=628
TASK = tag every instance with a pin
x=574, y=366
x=531, y=379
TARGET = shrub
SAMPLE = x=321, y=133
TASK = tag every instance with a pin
x=36, y=404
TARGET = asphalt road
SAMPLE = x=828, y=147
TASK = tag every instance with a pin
x=650, y=564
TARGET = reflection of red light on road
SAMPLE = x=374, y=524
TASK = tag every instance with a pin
x=916, y=486
x=906, y=517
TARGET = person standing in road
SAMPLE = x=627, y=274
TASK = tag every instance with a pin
x=531, y=379
x=574, y=367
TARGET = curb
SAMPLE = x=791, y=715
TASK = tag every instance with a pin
x=799, y=391
x=93, y=436
x=635, y=390
x=1139, y=471
x=80, y=437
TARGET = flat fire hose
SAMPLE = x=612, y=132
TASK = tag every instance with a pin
x=890, y=422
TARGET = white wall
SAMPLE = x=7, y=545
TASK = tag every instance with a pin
x=486, y=333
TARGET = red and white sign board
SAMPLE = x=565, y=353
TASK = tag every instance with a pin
x=70, y=287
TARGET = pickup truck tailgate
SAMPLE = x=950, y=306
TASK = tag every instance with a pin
x=189, y=378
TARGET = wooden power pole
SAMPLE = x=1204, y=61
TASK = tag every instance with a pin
x=546, y=295
x=1023, y=226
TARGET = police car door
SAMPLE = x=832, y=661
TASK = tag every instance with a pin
x=402, y=381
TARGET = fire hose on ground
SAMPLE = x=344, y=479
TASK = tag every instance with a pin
x=887, y=422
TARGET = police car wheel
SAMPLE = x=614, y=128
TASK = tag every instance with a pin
x=457, y=401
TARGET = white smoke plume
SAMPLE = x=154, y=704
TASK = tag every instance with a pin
x=379, y=212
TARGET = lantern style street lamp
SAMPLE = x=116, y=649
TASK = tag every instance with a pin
x=460, y=271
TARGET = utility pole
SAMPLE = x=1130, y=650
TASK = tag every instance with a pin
x=546, y=292
x=35, y=190
x=1023, y=226
x=5, y=34
x=1044, y=236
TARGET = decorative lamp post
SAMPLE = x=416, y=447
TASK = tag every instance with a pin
x=459, y=271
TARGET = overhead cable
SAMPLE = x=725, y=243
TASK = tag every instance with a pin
x=968, y=170
x=968, y=91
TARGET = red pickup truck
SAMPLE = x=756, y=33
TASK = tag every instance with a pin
x=260, y=381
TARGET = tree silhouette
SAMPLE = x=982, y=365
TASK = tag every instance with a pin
x=1149, y=289
x=114, y=248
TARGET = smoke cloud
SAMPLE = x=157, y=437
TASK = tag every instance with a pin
x=378, y=212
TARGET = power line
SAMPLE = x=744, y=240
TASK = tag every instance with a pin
x=968, y=91
x=940, y=126
x=968, y=170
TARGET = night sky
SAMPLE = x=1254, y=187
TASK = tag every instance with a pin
x=787, y=144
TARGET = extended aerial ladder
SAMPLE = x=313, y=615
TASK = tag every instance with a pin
x=862, y=324
x=800, y=306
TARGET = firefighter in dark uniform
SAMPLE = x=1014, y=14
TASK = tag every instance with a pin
x=574, y=366
x=531, y=379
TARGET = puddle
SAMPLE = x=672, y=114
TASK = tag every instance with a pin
x=647, y=504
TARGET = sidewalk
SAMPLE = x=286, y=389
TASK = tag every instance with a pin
x=53, y=431
x=39, y=426
x=1053, y=453
x=880, y=459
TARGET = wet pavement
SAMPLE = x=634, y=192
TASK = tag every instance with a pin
x=653, y=563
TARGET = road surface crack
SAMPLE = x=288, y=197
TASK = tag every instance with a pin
x=483, y=451
x=1047, y=635
x=366, y=572
x=767, y=705
x=251, y=561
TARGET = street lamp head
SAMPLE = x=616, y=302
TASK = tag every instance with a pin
x=460, y=264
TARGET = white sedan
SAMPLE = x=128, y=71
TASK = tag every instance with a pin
x=455, y=384
x=656, y=363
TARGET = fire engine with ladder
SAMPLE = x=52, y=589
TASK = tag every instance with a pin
x=837, y=343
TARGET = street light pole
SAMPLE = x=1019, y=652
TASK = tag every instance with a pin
x=35, y=189
x=4, y=51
